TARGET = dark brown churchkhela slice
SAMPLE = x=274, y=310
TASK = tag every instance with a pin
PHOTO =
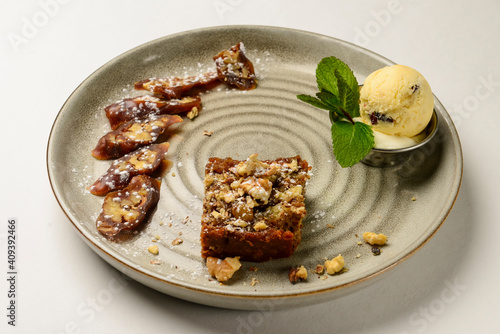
x=175, y=87
x=142, y=161
x=132, y=135
x=234, y=68
x=124, y=210
x=139, y=107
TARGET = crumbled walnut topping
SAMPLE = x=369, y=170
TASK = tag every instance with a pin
x=207, y=133
x=374, y=239
x=259, y=189
x=260, y=226
x=250, y=166
x=297, y=274
x=239, y=223
x=335, y=265
x=223, y=270
x=290, y=194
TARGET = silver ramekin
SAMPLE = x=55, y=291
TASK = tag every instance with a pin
x=380, y=157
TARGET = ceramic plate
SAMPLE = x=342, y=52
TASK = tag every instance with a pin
x=408, y=203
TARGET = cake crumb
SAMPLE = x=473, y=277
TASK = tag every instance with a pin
x=254, y=281
x=153, y=250
x=330, y=226
x=177, y=241
x=253, y=269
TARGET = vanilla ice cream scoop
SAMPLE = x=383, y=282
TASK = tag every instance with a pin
x=396, y=100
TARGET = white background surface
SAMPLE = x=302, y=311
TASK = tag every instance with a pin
x=449, y=286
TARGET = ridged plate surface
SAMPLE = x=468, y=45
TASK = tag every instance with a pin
x=407, y=203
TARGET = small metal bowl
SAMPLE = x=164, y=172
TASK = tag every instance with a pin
x=379, y=157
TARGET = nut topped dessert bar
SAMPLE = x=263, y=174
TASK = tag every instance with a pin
x=253, y=209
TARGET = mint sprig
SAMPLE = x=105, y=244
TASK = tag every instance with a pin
x=339, y=94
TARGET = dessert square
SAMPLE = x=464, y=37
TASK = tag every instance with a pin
x=253, y=209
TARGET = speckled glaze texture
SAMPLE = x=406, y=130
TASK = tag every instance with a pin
x=408, y=203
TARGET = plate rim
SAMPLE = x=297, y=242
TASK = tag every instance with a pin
x=117, y=262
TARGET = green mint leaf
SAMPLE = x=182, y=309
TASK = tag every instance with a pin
x=351, y=142
x=325, y=75
x=329, y=99
x=314, y=101
x=348, y=98
x=329, y=70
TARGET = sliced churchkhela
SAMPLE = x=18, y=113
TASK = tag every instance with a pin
x=146, y=106
x=234, y=68
x=132, y=135
x=176, y=87
x=144, y=160
x=126, y=209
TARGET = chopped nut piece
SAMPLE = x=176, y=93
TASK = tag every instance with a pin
x=358, y=256
x=413, y=199
x=253, y=269
x=320, y=269
x=260, y=226
x=192, y=113
x=185, y=220
x=374, y=239
x=223, y=270
x=177, y=241
x=254, y=281
x=335, y=265
x=330, y=226
x=297, y=274
x=155, y=262
x=153, y=249
x=207, y=133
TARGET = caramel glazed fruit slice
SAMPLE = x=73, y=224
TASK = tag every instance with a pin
x=126, y=209
x=144, y=160
x=132, y=135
